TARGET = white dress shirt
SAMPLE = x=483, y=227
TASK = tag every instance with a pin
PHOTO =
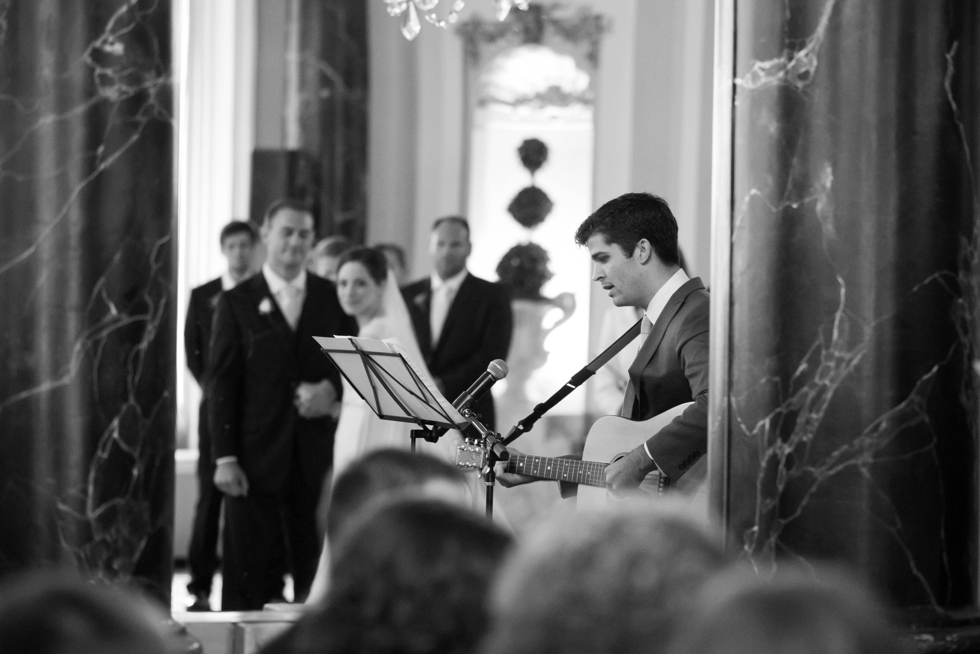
x=228, y=282
x=288, y=294
x=443, y=293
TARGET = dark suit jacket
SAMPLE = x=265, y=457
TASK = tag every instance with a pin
x=197, y=328
x=256, y=363
x=671, y=368
x=477, y=330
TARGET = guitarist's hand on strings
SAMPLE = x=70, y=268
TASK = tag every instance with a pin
x=623, y=476
x=510, y=479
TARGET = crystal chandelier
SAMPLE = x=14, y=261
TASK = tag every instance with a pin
x=409, y=11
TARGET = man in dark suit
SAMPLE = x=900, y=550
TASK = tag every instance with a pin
x=462, y=322
x=237, y=245
x=633, y=243
x=272, y=394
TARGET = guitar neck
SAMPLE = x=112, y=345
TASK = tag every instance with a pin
x=589, y=473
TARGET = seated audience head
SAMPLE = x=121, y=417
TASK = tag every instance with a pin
x=238, y=239
x=612, y=582
x=385, y=474
x=396, y=260
x=362, y=274
x=325, y=254
x=450, y=246
x=411, y=576
x=742, y=613
x=53, y=612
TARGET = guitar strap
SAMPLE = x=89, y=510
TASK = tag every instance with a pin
x=577, y=380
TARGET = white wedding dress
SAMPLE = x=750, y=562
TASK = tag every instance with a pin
x=360, y=430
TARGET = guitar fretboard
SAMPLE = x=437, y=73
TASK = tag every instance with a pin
x=590, y=473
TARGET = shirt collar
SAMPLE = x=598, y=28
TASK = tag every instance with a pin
x=663, y=296
x=452, y=283
x=228, y=282
x=277, y=283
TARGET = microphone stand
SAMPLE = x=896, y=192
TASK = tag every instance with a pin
x=576, y=380
x=494, y=451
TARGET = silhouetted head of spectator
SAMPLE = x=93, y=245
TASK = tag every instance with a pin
x=325, y=255
x=742, y=613
x=411, y=577
x=51, y=612
x=384, y=474
x=613, y=582
x=396, y=260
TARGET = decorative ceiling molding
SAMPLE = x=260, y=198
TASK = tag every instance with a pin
x=554, y=25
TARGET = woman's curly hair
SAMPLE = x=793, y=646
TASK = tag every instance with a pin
x=411, y=578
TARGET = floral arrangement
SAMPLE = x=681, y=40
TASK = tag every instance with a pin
x=533, y=154
x=530, y=207
x=524, y=271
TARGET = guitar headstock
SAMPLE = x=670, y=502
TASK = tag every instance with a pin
x=472, y=456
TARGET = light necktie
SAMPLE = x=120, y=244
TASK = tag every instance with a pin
x=290, y=302
x=442, y=298
x=630, y=399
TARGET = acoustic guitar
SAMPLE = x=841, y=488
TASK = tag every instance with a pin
x=610, y=438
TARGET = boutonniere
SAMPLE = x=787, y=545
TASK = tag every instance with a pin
x=419, y=300
x=265, y=306
x=214, y=300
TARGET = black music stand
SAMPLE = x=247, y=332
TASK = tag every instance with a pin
x=392, y=385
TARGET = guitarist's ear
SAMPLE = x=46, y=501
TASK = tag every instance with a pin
x=643, y=251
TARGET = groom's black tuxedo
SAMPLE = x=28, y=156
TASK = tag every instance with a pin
x=477, y=330
x=256, y=363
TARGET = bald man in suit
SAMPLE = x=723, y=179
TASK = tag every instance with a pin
x=462, y=322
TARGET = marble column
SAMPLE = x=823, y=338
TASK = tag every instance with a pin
x=333, y=115
x=87, y=327
x=846, y=299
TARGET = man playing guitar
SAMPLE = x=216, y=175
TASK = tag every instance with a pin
x=633, y=243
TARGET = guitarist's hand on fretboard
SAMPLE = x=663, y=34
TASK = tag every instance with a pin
x=623, y=476
x=509, y=479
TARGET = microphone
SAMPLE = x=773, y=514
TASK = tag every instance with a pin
x=496, y=371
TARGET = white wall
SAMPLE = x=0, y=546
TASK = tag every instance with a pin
x=653, y=123
x=216, y=136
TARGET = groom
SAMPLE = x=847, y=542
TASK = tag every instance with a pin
x=271, y=393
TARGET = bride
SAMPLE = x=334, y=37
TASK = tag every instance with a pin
x=367, y=290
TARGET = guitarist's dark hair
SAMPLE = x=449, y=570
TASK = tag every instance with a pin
x=625, y=220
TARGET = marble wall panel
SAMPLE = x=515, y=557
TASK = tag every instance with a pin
x=333, y=98
x=854, y=277
x=87, y=334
